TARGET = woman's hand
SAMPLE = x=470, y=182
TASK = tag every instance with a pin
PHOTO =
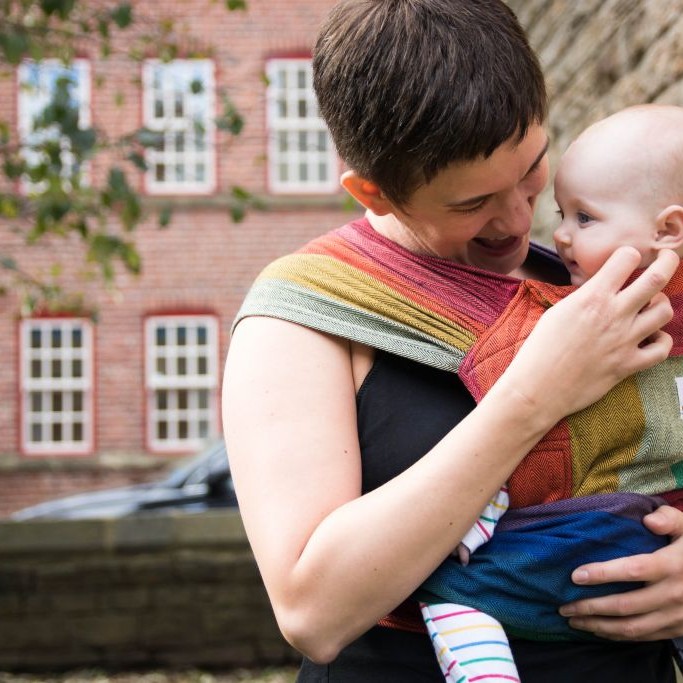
x=595, y=337
x=654, y=612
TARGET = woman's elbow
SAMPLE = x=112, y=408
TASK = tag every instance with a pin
x=305, y=634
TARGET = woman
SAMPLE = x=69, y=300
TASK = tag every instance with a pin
x=359, y=470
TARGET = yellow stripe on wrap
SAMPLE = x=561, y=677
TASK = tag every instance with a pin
x=352, y=286
x=595, y=431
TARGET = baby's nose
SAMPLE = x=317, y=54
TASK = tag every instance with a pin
x=562, y=236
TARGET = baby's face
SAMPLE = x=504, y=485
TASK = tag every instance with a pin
x=599, y=212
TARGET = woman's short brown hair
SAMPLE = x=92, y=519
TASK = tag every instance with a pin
x=409, y=86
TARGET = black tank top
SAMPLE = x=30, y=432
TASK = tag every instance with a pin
x=404, y=409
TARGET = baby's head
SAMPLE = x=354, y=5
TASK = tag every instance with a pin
x=621, y=183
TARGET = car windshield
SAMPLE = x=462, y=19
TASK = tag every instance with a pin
x=212, y=462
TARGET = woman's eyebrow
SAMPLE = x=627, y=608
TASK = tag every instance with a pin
x=482, y=197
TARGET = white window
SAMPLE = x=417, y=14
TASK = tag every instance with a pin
x=182, y=381
x=38, y=83
x=179, y=106
x=56, y=386
x=301, y=155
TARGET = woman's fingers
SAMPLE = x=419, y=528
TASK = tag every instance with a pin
x=652, y=280
x=652, y=612
x=615, y=271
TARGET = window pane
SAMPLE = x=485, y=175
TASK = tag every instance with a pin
x=56, y=432
x=295, y=130
x=186, y=394
x=161, y=336
x=303, y=142
x=185, y=94
x=36, y=432
x=36, y=369
x=35, y=339
x=48, y=383
x=162, y=400
x=56, y=402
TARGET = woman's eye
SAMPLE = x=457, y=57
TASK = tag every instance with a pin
x=465, y=210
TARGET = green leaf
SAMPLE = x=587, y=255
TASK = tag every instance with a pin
x=9, y=206
x=61, y=7
x=240, y=193
x=123, y=15
x=14, y=46
x=8, y=263
x=138, y=160
x=165, y=215
x=237, y=213
x=236, y=4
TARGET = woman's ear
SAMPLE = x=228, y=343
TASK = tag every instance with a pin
x=670, y=228
x=366, y=193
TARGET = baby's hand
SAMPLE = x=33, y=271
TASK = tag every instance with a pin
x=462, y=554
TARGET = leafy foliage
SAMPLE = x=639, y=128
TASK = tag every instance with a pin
x=44, y=188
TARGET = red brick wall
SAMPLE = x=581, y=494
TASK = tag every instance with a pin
x=202, y=263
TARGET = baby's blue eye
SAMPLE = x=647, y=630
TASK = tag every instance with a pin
x=583, y=218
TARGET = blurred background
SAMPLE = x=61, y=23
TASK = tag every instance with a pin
x=155, y=156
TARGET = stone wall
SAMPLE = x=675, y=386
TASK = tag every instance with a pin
x=600, y=56
x=161, y=590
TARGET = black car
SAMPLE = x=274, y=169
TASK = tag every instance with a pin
x=201, y=484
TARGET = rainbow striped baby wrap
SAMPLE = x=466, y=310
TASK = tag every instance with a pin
x=356, y=284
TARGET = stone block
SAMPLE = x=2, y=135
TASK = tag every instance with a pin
x=18, y=538
x=134, y=599
x=104, y=630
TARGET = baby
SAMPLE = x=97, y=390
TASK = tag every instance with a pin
x=619, y=183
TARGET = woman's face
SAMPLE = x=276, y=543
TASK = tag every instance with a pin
x=477, y=213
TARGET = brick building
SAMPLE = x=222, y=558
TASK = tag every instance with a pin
x=92, y=402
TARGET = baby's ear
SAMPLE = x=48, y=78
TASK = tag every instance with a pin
x=670, y=228
x=366, y=192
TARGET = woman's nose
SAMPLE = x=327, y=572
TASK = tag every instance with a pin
x=518, y=213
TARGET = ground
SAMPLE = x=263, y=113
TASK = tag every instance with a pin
x=191, y=676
